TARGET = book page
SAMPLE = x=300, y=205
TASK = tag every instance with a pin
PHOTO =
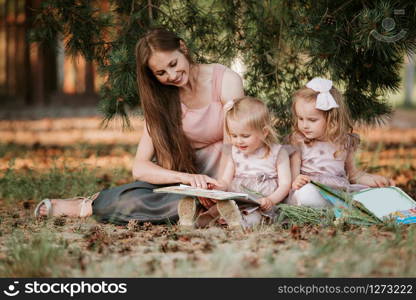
x=213, y=194
x=384, y=201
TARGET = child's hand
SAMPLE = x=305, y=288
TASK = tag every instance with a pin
x=379, y=181
x=300, y=181
x=207, y=202
x=221, y=185
x=265, y=203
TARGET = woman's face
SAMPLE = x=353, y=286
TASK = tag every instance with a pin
x=170, y=68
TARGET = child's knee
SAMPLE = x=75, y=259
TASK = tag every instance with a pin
x=308, y=195
x=252, y=219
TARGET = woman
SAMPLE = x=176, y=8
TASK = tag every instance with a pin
x=182, y=103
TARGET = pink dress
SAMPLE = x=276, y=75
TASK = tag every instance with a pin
x=254, y=171
x=325, y=163
x=137, y=201
x=204, y=127
x=258, y=173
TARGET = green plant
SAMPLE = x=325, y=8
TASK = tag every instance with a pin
x=37, y=255
x=282, y=44
x=56, y=183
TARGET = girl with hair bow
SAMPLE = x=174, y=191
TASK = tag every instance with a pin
x=322, y=134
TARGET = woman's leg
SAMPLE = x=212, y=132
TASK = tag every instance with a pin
x=308, y=195
x=119, y=205
x=136, y=201
x=72, y=207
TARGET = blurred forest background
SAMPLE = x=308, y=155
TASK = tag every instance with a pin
x=67, y=65
x=78, y=53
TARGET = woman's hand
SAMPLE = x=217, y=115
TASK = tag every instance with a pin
x=300, y=181
x=265, y=203
x=203, y=182
x=198, y=180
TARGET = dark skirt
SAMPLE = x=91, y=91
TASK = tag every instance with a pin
x=136, y=201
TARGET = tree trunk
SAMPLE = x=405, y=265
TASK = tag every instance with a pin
x=409, y=80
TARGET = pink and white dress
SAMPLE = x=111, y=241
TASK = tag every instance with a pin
x=258, y=173
x=325, y=163
x=255, y=171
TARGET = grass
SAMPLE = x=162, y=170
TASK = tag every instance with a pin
x=81, y=150
x=29, y=184
x=74, y=248
x=57, y=183
x=65, y=247
x=37, y=255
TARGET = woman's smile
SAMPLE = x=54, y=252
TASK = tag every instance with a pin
x=178, y=79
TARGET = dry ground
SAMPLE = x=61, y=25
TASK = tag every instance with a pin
x=68, y=157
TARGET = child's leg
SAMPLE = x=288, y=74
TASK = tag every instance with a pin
x=308, y=195
x=187, y=211
x=207, y=218
x=252, y=219
x=228, y=209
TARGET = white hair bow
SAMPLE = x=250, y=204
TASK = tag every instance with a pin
x=229, y=105
x=324, y=101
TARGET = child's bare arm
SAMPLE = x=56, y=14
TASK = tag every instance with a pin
x=284, y=180
x=295, y=162
x=357, y=176
x=298, y=180
x=226, y=176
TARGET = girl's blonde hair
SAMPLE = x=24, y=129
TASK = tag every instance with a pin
x=252, y=112
x=338, y=122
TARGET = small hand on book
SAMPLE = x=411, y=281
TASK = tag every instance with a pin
x=208, y=202
x=265, y=203
x=220, y=185
x=300, y=181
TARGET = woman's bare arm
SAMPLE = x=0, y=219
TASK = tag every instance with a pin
x=146, y=170
x=232, y=88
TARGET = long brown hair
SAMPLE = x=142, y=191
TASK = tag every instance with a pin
x=161, y=105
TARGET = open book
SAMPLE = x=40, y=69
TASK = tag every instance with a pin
x=213, y=194
x=381, y=203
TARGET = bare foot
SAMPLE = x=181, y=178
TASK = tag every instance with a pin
x=68, y=207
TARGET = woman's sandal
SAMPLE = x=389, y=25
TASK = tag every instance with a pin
x=82, y=213
x=48, y=205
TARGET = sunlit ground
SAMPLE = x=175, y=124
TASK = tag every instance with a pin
x=60, y=158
